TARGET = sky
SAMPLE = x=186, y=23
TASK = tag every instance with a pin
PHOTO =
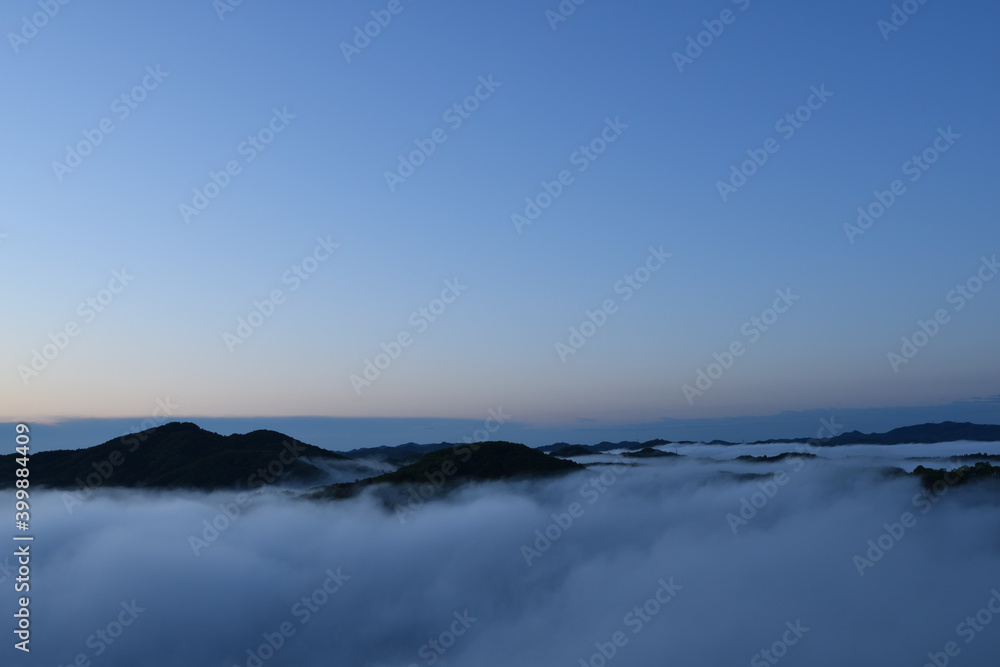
x=243, y=178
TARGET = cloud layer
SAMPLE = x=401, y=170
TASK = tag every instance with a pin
x=644, y=563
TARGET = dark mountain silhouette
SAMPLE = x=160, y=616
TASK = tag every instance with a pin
x=775, y=458
x=447, y=468
x=183, y=455
x=939, y=480
x=960, y=457
x=410, y=450
x=649, y=453
x=176, y=455
x=918, y=434
x=607, y=446
x=922, y=433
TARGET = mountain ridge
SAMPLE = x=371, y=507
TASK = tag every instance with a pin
x=176, y=455
x=183, y=455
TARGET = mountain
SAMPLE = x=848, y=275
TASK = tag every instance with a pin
x=484, y=461
x=776, y=457
x=919, y=434
x=606, y=446
x=649, y=453
x=939, y=480
x=183, y=455
x=177, y=455
x=922, y=433
x=410, y=450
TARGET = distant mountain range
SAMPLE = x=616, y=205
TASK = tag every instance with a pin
x=183, y=455
x=920, y=434
x=410, y=450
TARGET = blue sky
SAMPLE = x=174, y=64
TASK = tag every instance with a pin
x=655, y=185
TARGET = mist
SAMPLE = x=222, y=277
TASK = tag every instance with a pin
x=681, y=561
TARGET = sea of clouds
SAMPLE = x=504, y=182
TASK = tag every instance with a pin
x=695, y=561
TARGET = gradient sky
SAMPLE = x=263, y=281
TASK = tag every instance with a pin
x=323, y=177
